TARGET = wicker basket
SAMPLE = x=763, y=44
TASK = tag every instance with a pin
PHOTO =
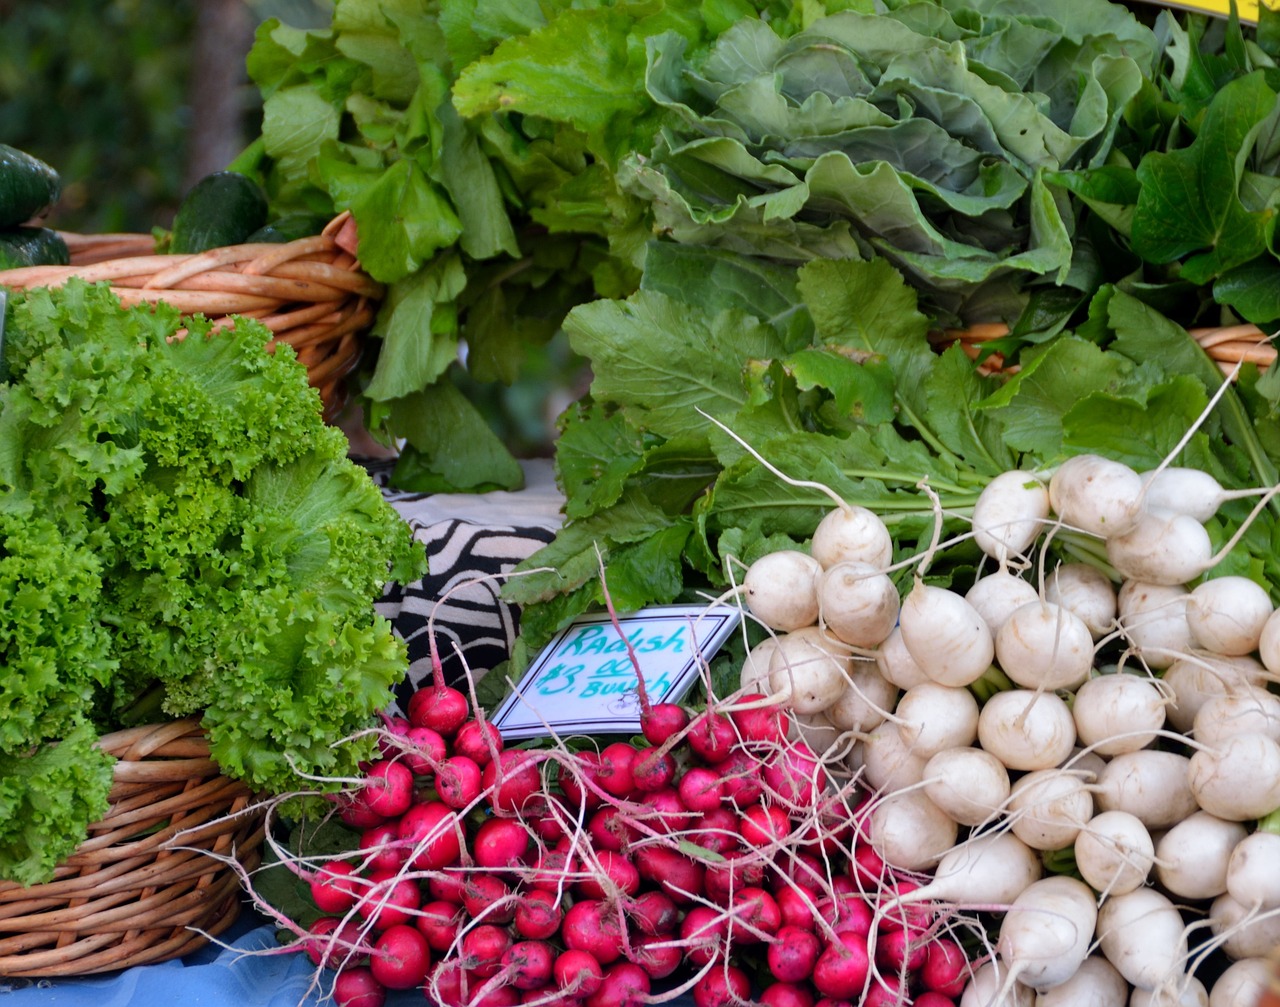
x=311, y=293
x=132, y=890
x=1226, y=346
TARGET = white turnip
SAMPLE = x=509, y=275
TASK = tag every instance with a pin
x=808, y=670
x=1117, y=713
x=1153, y=619
x=1191, y=858
x=1045, y=646
x=854, y=534
x=1142, y=934
x=1253, y=871
x=1009, y=514
x=1026, y=730
x=1226, y=615
x=1239, y=778
x=970, y=785
x=1085, y=591
x=1150, y=785
x=1097, y=495
x=945, y=635
x=896, y=664
x=858, y=603
x=996, y=595
x=1096, y=983
x=781, y=589
x=1249, y=710
x=1244, y=931
x=866, y=700
x=1048, y=808
x=1046, y=932
x=932, y=717
x=1194, y=679
x=909, y=831
x=1241, y=982
x=1114, y=852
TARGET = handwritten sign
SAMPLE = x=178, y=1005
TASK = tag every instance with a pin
x=584, y=682
x=1247, y=10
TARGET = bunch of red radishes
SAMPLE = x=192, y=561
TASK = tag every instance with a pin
x=720, y=858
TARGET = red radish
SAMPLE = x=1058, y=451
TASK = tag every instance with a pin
x=832, y=1002
x=458, y=781
x=451, y=887
x=500, y=842
x=593, y=926
x=549, y=873
x=665, y=720
x=652, y=770
x=356, y=813
x=677, y=875
x=867, y=867
x=333, y=889
x=712, y=737
x=727, y=877
x=538, y=915
x=664, y=811
x=429, y=750
x=704, y=931
x=716, y=830
x=722, y=986
x=806, y=871
x=886, y=991
x=529, y=964
x=910, y=914
x=617, y=763
x=483, y=947
x=479, y=741
x=900, y=950
x=657, y=954
x=401, y=958
x=356, y=987
x=449, y=985
x=330, y=942
x=390, y=900
x=931, y=999
x=624, y=985
x=549, y=824
x=511, y=779
x=763, y=725
x=786, y=995
x=763, y=825
x=700, y=788
x=388, y=788
x=841, y=970
x=435, y=833
x=497, y=996
x=577, y=972
x=617, y=875
x=396, y=727
x=610, y=830
x=653, y=912
x=383, y=849
x=793, y=954
x=795, y=775
x=577, y=778
x=489, y=896
x=438, y=707
x=439, y=922
x=741, y=778
x=946, y=969
x=848, y=912
x=796, y=908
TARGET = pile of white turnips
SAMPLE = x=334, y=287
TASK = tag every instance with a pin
x=1150, y=772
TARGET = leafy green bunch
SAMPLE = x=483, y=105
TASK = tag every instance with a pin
x=180, y=533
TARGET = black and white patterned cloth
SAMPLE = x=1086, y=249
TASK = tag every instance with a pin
x=471, y=540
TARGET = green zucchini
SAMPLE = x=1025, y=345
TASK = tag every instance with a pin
x=221, y=209
x=290, y=227
x=28, y=186
x=31, y=246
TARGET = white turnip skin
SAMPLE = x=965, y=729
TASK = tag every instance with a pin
x=969, y=784
x=1046, y=932
x=1044, y=646
x=781, y=589
x=1087, y=592
x=1142, y=934
x=808, y=670
x=1087, y=765
x=1096, y=495
x=888, y=764
x=945, y=635
x=1009, y=515
x=1269, y=643
x=1226, y=615
x=1150, y=785
x=996, y=596
x=896, y=664
x=1185, y=490
x=987, y=988
x=1114, y=852
x=1249, y=710
x=1191, y=858
x=909, y=831
x=989, y=869
x=1096, y=983
x=1241, y=982
x=1162, y=548
x=1153, y=618
x=1245, y=932
x=1239, y=778
x=1193, y=680
x=852, y=534
x=857, y=603
x=1048, y=808
x=1253, y=871
x=1184, y=991
x=1026, y=730
x=754, y=675
x=815, y=730
x=1118, y=713
x=865, y=701
x=932, y=717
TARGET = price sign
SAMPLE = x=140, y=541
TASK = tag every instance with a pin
x=584, y=681
x=1247, y=10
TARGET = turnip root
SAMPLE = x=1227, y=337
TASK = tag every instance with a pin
x=947, y=638
x=1118, y=713
x=852, y=534
x=1187, y=491
x=857, y=603
x=1046, y=932
x=1249, y=710
x=781, y=589
x=1044, y=646
x=989, y=869
x=1096, y=983
x=1026, y=730
x=1239, y=778
x=1253, y=871
x=931, y=717
x=969, y=784
x=1142, y=934
x=1196, y=678
x=865, y=701
x=997, y=595
x=754, y=676
x=1048, y=808
x=1226, y=615
x=1096, y=495
x=909, y=831
x=814, y=729
x=808, y=670
x=1269, y=643
x=888, y=764
x=1154, y=621
x=1150, y=785
x=1162, y=548
x=1191, y=858
x=1244, y=931
x=988, y=988
x=1184, y=991
x=1009, y=514
x=1241, y=982
x=1085, y=591
x=1114, y=852
x=896, y=664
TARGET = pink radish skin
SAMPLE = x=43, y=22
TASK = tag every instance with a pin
x=428, y=749
x=657, y=954
x=703, y=932
x=946, y=969
x=677, y=875
x=478, y=741
x=332, y=889
x=490, y=896
x=721, y=987
x=841, y=970
x=795, y=776
x=700, y=788
x=511, y=780
x=653, y=913
x=330, y=941
x=663, y=811
x=716, y=830
x=577, y=973
x=728, y=877
x=529, y=964
x=458, y=781
x=610, y=830
x=782, y=994
x=665, y=720
x=793, y=954
x=741, y=779
x=901, y=949
x=483, y=947
x=617, y=876
x=764, y=824
x=390, y=853
x=401, y=958
x=549, y=871
x=593, y=926
x=624, y=985
x=753, y=912
x=538, y=915
x=388, y=788
x=500, y=842
x=712, y=737
x=762, y=725
x=356, y=987
x=577, y=782
x=796, y=908
x=389, y=900
x=653, y=770
x=440, y=923
x=440, y=708
x=355, y=813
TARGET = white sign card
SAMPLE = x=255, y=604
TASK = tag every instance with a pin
x=583, y=681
